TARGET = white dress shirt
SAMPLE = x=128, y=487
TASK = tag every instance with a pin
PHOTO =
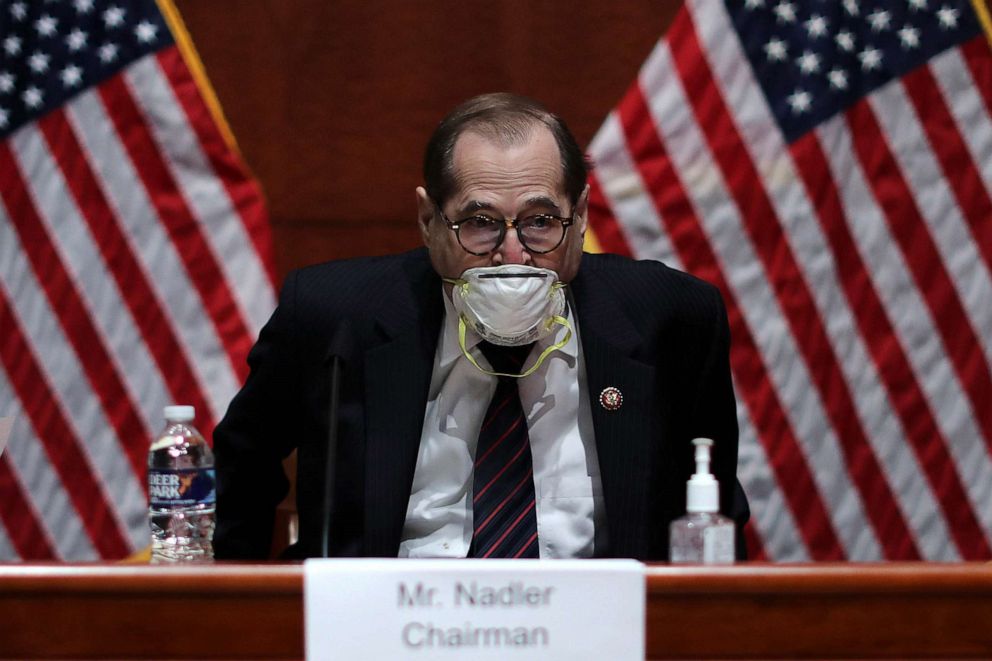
x=570, y=515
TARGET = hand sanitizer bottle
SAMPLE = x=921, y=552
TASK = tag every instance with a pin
x=703, y=535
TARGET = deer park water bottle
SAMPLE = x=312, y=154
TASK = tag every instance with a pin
x=181, y=493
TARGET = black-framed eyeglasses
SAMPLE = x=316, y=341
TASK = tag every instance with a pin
x=480, y=234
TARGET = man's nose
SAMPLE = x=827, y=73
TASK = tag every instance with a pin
x=511, y=251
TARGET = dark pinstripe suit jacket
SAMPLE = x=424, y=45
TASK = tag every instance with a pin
x=657, y=334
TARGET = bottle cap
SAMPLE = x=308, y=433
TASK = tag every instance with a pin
x=702, y=491
x=176, y=413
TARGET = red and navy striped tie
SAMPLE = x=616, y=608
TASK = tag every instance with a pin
x=503, y=501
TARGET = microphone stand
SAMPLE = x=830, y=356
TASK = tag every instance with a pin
x=330, y=463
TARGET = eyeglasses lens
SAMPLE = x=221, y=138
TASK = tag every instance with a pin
x=482, y=235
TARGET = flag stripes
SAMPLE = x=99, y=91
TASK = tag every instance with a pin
x=206, y=200
x=976, y=57
x=176, y=216
x=910, y=232
x=758, y=474
x=29, y=538
x=914, y=326
x=61, y=443
x=242, y=244
x=854, y=262
x=63, y=293
x=891, y=366
x=154, y=250
x=135, y=272
x=958, y=167
x=130, y=278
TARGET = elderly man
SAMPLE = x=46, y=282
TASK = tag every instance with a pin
x=502, y=393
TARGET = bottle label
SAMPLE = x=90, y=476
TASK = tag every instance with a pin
x=718, y=544
x=184, y=487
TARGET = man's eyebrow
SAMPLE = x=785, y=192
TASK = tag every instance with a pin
x=473, y=206
x=543, y=201
x=476, y=205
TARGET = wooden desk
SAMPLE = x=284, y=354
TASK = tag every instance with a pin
x=747, y=611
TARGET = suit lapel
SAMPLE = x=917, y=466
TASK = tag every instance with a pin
x=397, y=380
x=626, y=439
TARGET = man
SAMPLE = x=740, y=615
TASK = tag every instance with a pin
x=577, y=446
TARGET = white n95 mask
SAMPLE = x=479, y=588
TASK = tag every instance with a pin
x=510, y=305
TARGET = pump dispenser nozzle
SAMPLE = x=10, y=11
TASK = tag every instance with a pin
x=703, y=534
x=702, y=491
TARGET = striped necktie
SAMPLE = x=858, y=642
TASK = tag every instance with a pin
x=503, y=497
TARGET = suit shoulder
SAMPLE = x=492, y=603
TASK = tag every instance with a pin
x=648, y=277
x=353, y=280
x=354, y=270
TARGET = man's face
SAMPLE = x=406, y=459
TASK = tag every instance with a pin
x=503, y=182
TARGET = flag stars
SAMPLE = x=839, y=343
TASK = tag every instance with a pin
x=76, y=40
x=776, y=50
x=816, y=26
x=851, y=7
x=83, y=6
x=879, y=20
x=32, y=97
x=18, y=11
x=753, y=4
x=786, y=12
x=113, y=17
x=947, y=17
x=871, y=59
x=107, y=53
x=800, y=101
x=38, y=62
x=146, y=32
x=71, y=76
x=6, y=82
x=909, y=36
x=809, y=62
x=845, y=41
x=12, y=45
x=4, y=118
x=838, y=79
x=917, y=5
x=46, y=25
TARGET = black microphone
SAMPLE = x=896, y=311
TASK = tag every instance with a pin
x=339, y=346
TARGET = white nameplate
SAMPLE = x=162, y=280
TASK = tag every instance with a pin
x=474, y=609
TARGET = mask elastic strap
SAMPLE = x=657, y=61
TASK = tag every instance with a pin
x=561, y=321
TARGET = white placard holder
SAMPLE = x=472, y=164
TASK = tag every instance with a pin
x=474, y=609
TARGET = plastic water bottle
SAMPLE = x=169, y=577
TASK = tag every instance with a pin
x=181, y=494
x=703, y=535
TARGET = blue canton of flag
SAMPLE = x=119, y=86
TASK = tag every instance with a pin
x=815, y=59
x=53, y=50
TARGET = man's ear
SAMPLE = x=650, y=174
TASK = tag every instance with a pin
x=425, y=214
x=581, y=211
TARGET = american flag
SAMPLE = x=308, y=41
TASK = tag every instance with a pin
x=829, y=166
x=135, y=265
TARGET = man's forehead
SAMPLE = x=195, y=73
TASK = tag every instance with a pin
x=531, y=164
